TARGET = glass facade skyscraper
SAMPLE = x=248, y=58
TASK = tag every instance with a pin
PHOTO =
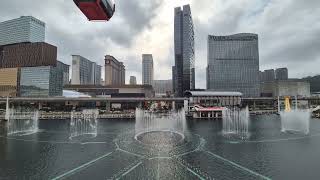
x=184, y=69
x=233, y=64
x=23, y=29
x=41, y=81
x=147, y=69
x=65, y=70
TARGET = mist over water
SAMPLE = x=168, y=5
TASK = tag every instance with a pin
x=236, y=122
x=296, y=121
x=21, y=122
x=172, y=121
x=84, y=123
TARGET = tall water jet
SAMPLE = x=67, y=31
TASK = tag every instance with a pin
x=84, y=123
x=7, y=110
x=235, y=122
x=295, y=120
x=148, y=122
x=22, y=122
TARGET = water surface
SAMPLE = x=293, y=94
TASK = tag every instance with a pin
x=205, y=153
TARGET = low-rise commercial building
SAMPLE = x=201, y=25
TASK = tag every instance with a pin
x=210, y=104
x=291, y=87
x=122, y=91
x=214, y=98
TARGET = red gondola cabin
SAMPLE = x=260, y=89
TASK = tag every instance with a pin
x=96, y=10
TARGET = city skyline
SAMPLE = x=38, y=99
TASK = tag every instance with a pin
x=152, y=31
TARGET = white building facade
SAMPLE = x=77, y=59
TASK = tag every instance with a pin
x=85, y=72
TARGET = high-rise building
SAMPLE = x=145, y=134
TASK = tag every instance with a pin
x=281, y=74
x=28, y=55
x=267, y=75
x=133, y=80
x=96, y=77
x=162, y=87
x=184, y=69
x=85, y=72
x=174, y=79
x=147, y=69
x=290, y=87
x=23, y=29
x=233, y=64
x=41, y=81
x=65, y=71
x=115, y=72
x=29, y=64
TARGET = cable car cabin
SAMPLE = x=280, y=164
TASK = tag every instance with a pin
x=96, y=10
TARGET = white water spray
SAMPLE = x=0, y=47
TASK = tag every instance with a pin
x=22, y=122
x=236, y=122
x=151, y=122
x=295, y=120
x=84, y=123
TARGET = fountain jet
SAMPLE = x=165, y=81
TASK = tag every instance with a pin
x=295, y=120
x=22, y=122
x=172, y=121
x=236, y=122
x=84, y=123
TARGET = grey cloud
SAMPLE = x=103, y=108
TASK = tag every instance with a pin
x=288, y=30
x=137, y=13
x=288, y=33
x=130, y=19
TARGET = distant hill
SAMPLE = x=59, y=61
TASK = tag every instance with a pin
x=314, y=83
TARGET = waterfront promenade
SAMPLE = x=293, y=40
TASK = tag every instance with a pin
x=257, y=106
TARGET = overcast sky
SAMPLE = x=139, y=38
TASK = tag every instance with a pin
x=289, y=31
